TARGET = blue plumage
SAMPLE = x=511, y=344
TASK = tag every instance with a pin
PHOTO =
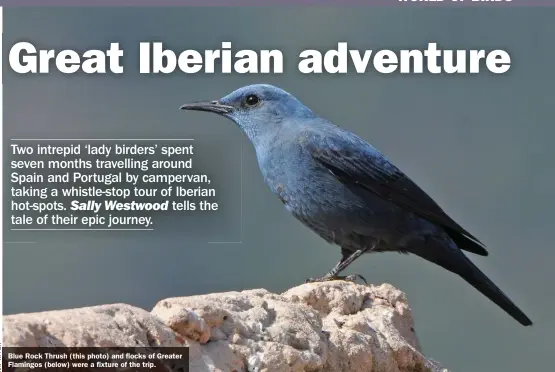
x=346, y=191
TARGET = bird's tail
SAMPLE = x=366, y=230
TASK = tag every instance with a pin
x=476, y=278
x=457, y=262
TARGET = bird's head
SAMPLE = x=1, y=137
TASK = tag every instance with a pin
x=256, y=109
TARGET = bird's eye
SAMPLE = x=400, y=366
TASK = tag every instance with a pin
x=252, y=100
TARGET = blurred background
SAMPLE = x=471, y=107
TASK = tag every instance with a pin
x=480, y=145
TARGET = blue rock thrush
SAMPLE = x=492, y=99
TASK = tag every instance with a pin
x=342, y=188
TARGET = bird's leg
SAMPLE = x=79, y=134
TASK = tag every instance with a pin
x=348, y=258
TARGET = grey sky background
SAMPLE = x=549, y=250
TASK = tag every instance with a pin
x=479, y=145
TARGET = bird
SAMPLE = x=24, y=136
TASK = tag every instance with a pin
x=346, y=191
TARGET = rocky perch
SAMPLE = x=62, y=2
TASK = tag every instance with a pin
x=334, y=326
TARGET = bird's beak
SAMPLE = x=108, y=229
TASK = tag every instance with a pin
x=210, y=106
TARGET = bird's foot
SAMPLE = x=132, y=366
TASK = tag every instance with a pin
x=327, y=278
x=353, y=278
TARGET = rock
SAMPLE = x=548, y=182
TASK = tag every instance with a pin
x=327, y=327
x=103, y=326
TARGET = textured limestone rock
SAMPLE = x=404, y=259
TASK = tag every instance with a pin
x=334, y=326
x=102, y=326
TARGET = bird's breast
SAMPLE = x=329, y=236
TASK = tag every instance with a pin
x=303, y=187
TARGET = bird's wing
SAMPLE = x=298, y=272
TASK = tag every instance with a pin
x=353, y=161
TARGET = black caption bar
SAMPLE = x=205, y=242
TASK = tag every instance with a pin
x=106, y=359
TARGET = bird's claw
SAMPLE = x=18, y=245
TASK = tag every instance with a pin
x=326, y=278
x=313, y=280
x=353, y=278
x=349, y=278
